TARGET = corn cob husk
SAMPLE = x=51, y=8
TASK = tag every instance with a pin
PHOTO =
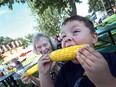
x=65, y=54
x=32, y=70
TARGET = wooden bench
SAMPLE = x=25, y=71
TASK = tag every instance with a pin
x=106, y=30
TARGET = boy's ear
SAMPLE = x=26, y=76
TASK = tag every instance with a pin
x=95, y=38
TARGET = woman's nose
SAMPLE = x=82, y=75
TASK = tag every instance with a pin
x=43, y=48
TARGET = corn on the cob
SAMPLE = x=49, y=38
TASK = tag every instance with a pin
x=64, y=54
x=32, y=70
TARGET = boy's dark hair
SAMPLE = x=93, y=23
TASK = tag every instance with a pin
x=86, y=21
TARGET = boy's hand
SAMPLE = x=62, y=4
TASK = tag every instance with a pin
x=44, y=64
x=95, y=66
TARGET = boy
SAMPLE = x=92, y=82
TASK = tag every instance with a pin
x=99, y=67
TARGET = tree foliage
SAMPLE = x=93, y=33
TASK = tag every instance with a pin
x=97, y=5
x=8, y=40
x=5, y=40
x=49, y=13
x=42, y=5
x=61, y=5
x=9, y=3
x=29, y=38
x=49, y=22
x=25, y=42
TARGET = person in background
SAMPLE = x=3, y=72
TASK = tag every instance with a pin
x=43, y=45
x=2, y=70
x=58, y=41
x=18, y=65
x=90, y=68
x=100, y=21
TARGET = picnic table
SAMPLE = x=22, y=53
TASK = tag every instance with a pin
x=107, y=30
x=8, y=79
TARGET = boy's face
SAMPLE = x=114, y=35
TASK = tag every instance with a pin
x=75, y=32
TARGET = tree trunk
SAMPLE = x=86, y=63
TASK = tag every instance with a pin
x=73, y=6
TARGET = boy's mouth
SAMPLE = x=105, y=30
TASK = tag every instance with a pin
x=70, y=45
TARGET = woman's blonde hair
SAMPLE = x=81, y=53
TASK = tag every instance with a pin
x=37, y=36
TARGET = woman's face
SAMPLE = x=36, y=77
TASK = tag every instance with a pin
x=43, y=46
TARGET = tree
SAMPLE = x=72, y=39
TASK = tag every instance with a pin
x=95, y=5
x=49, y=13
x=49, y=22
x=9, y=3
x=109, y=4
x=5, y=40
x=24, y=41
x=67, y=5
x=29, y=38
x=1, y=40
x=61, y=5
x=100, y=5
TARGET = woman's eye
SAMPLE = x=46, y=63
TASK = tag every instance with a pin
x=38, y=47
x=44, y=44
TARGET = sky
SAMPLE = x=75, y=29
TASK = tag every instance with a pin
x=82, y=8
x=19, y=22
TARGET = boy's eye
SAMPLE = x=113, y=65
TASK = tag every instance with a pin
x=75, y=32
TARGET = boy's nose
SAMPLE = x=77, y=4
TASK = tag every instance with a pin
x=68, y=40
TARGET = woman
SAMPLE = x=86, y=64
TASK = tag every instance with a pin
x=43, y=45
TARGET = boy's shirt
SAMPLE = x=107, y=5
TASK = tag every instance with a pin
x=71, y=75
